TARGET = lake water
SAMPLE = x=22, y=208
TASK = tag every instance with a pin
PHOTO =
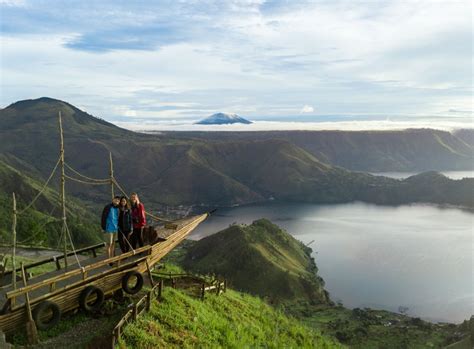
x=449, y=174
x=417, y=256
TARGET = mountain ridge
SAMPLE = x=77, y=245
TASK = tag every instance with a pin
x=410, y=150
x=223, y=119
x=169, y=170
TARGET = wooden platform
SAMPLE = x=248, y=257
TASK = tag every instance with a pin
x=64, y=286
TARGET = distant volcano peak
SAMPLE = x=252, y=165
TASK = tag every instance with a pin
x=223, y=119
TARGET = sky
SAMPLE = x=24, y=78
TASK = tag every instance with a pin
x=284, y=63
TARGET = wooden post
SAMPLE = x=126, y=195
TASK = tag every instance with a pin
x=111, y=173
x=225, y=285
x=31, y=330
x=113, y=340
x=149, y=273
x=63, y=191
x=14, y=244
x=203, y=290
x=149, y=298
x=471, y=324
x=160, y=289
x=135, y=312
x=56, y=260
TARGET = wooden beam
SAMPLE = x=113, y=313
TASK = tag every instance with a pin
x=31, y=330
x=14, y=243
x=63, y=188
x=75, y=272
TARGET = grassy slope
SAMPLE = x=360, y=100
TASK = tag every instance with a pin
x=233, y=320
x=261, y=259
x=237, y=320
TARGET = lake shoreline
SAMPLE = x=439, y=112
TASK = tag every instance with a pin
x=377, y=255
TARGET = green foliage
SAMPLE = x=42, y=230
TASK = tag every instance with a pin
x=40, y=224
x=369, y=328
x=232, y=320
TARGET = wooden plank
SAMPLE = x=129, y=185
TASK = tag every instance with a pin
x=56, y=258
x=77, y=284
x=75, y=272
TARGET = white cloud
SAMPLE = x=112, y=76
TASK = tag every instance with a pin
x=255, y=58
x=13, y=3
x=306, y=109
x=179, y=125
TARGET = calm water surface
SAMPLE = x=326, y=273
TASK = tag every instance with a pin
x=418, y=256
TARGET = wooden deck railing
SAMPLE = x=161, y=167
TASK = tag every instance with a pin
x=52, y=282
x=144, y=303
x=56, y=259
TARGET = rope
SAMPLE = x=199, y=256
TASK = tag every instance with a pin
x=120, y=188
x=42, y=226
x=72, y=245
x=60, y=239
x=128, y=242
x=158, y=218
x=42, y=189
x=84, y=176
x=85, y=182
x=147, y=213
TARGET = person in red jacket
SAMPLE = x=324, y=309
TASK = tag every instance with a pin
x=138, y=221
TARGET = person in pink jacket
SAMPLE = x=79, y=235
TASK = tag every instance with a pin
x=138, y=221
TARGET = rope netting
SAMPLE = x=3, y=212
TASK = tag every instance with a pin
x=77, y=177
x=107, y=180
x=42, y=189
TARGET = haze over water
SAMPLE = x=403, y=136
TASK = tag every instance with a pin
x=418, y=256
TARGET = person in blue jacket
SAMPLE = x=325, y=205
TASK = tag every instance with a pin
x=110, y=221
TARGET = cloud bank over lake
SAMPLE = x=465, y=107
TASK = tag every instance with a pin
x=287, y=126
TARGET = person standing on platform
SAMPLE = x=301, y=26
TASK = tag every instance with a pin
x=110, y=220
x=138, y=220
x=125, y=225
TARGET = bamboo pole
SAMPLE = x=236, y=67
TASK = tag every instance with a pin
x=63, y=191
x=111, y=173
x=14, y=244
x=31, y=329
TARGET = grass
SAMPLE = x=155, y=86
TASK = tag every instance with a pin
x=232, y=320
x=45, y=268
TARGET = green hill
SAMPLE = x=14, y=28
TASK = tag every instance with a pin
x=232, y=320
x=169, y=170
x=261, y=259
